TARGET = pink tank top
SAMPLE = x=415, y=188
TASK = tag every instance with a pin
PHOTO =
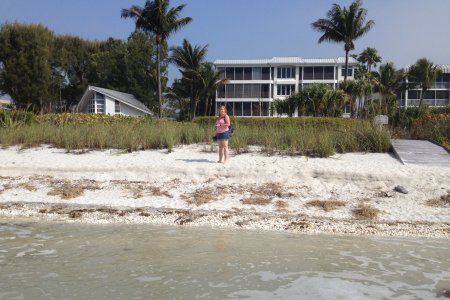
x=221, y=129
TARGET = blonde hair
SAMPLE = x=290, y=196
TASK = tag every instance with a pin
x=224, y=107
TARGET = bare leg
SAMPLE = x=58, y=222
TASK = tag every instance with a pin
x=220, y=143
x=225, y=151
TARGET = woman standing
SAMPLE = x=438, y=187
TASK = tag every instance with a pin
x=222, y=133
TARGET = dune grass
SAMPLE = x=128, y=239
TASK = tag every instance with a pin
x=320, y=137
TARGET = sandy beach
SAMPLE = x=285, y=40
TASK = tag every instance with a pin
x=252, y=191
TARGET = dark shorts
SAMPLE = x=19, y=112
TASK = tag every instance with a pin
x=223, y=136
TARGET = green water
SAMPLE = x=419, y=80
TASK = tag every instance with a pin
x=77, y=261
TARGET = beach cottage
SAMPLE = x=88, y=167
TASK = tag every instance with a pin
x=98, y=100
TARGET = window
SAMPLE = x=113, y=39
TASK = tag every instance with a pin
x=347, y=109
x=222, y=73
x=229, y=106
x=229, y=73
x=91, y=107
x=238, y=73
x=247, y=91
x=238, y=90
x=442, y=98
x=349, y=72
x=328, y=73
x=429, y=95
x=413, y=94
x=286, y=72
x=247, y=73
x=238, y=108
x=442, y=95
x=256, y=91
x=265, y=73
x=246, y=109
x=260, y=108
x=100, y=103
x=221, y=92
x=257, y=74
x=442, y=82
x=264, y=91
x=229, y=91
x=117, y=107
x=285, y=89
x=318, y=73
x=308, y=73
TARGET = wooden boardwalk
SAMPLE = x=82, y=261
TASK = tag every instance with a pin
x=421, y=152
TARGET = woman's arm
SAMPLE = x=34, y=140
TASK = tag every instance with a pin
x=227, y=121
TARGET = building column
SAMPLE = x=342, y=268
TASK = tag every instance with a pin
x=406, y=94
x=297, y=88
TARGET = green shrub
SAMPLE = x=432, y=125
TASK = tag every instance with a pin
x=15, y=118
x=433, y=127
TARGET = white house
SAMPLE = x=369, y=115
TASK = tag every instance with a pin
x=98, y=100
x=5, y=102
x=437, y=95
x=254, y=83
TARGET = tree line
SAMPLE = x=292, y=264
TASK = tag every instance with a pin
x=44, y=72
x=345, y=25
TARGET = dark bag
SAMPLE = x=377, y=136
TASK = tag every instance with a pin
x=231, y=129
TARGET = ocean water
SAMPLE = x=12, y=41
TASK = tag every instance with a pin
x=49, y=260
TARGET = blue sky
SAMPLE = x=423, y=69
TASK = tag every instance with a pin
x=405, y=30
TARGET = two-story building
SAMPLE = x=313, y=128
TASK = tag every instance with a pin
x=254, y=84
x=437, y=95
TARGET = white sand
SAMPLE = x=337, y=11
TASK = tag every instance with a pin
x=167, y=186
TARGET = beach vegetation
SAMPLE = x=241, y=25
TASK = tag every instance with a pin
x=326, y=205
x=281, y=205
x=296, y=136
x=201, y=196
x=66, y=191
x=443, y=201
x=318, y=100
x=256, y=200
x=365, y=212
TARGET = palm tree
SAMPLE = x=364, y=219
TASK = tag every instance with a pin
x=344, y=25
x=179, y=97
x=387, y=82
x=210, y=82
x=156, y=18
x=189, y=59
x=370, y=57
x=355, y=90
x=424, y=73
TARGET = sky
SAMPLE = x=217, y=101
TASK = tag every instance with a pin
x=404, y=31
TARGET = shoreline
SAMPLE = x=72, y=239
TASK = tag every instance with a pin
x=246, y=220
x=252, y=191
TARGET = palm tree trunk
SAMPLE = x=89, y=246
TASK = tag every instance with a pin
x=421, y=97
x=206, y=106
x=346, y=65
x=158, y=58
x=191, y=103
